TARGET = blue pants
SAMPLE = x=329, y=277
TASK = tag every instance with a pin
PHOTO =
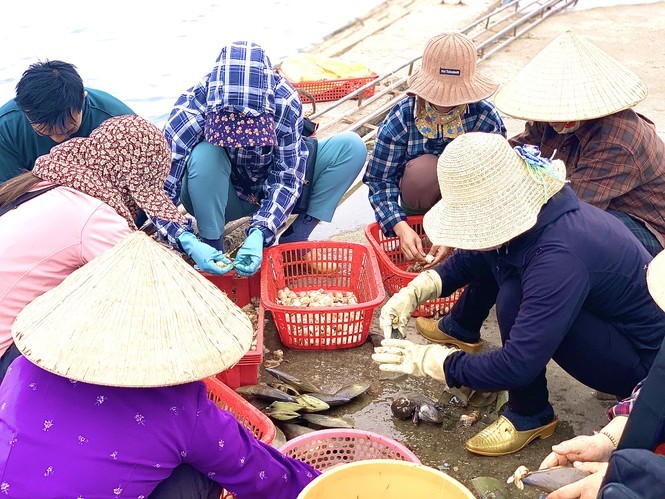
x=593, y=352
x=209, y=195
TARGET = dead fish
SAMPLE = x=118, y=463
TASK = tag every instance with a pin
x=301, y=386
x=285, y=388
x=281, y=415
x=329, y=421
x=331, y=399
x=353, y=390
x=547, y=480
x=284, y=406
x=293, y=430
x=310, y=403
x=264, y=392
x=280, y=438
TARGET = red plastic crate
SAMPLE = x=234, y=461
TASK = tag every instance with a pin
x=248, y=415
x=393, y=264
x=241, y=290
x=322, y=328
x=332, y=90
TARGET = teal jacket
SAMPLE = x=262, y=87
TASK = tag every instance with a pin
x=20, y=146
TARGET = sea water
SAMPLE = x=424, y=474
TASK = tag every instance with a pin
x=147, y=52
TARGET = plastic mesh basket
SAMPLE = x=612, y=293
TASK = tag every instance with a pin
x=393, y=264
x=325, y=448
x=248, y=415
x=332, y=90
x=331, y=266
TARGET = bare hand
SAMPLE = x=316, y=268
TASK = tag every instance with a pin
x=586, y=488
x=410, y=242
x=583, y=448
x=435, y=255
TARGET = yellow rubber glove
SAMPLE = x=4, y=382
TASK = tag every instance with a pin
x=398, y=309
x=404, y=356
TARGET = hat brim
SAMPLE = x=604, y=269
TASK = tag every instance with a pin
x=480, y=220
x=478, y=88
x=137, y=316
x=570, y=80
x=656, y=279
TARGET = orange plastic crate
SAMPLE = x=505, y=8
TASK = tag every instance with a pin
x=393, y=264
x=352, y=267
x=332, y=90
x=248, y=415
x=241, y=290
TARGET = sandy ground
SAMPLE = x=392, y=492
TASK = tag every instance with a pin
x=633, y=34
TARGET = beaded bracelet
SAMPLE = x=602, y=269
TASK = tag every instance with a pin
x=612, y=439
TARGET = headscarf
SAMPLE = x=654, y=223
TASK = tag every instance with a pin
x=123, y=163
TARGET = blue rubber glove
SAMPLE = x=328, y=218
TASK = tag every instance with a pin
x=204, y=255
x=250, y=254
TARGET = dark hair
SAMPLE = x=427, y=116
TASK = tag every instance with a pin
x=49, y=91
x=15, y=187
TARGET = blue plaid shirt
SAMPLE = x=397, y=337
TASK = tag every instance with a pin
x=270, y=177
x=399, y=141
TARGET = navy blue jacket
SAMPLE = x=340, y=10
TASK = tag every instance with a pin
x=576, y=257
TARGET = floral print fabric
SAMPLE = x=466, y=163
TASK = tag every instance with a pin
x=62, y=438
x=124, y=163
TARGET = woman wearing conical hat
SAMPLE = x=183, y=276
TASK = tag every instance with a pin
x=578, y=102
x=571, y=288
x=91, y=191
x=106, y=399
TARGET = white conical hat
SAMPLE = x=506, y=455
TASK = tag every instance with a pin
x=570, y=80
x=489, y=193
x=656, y=279
x=136, y=316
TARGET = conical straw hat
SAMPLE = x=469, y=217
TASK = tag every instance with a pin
x=136, y=316
x=570, y=80
x=656, y=279
x=489, y=194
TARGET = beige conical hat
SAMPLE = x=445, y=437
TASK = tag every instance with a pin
x=656, y=279
x=136, y=316
x=489, y=194
x=570, y=80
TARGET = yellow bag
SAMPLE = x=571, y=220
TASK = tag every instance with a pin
x=308, y=67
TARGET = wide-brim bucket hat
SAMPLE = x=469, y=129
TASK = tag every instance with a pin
x=571, y=79
x=136, y=316
x=656, y=279
x=489, y=193
x=447, y=75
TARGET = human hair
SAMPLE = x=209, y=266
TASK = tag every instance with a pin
x=15, y=187
x=48, y=92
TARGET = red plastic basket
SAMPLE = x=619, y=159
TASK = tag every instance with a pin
x=331, y=90
x=393, y=264
x=248, y=415
x=241, y=290
x=352, y=267
x=325, y=448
